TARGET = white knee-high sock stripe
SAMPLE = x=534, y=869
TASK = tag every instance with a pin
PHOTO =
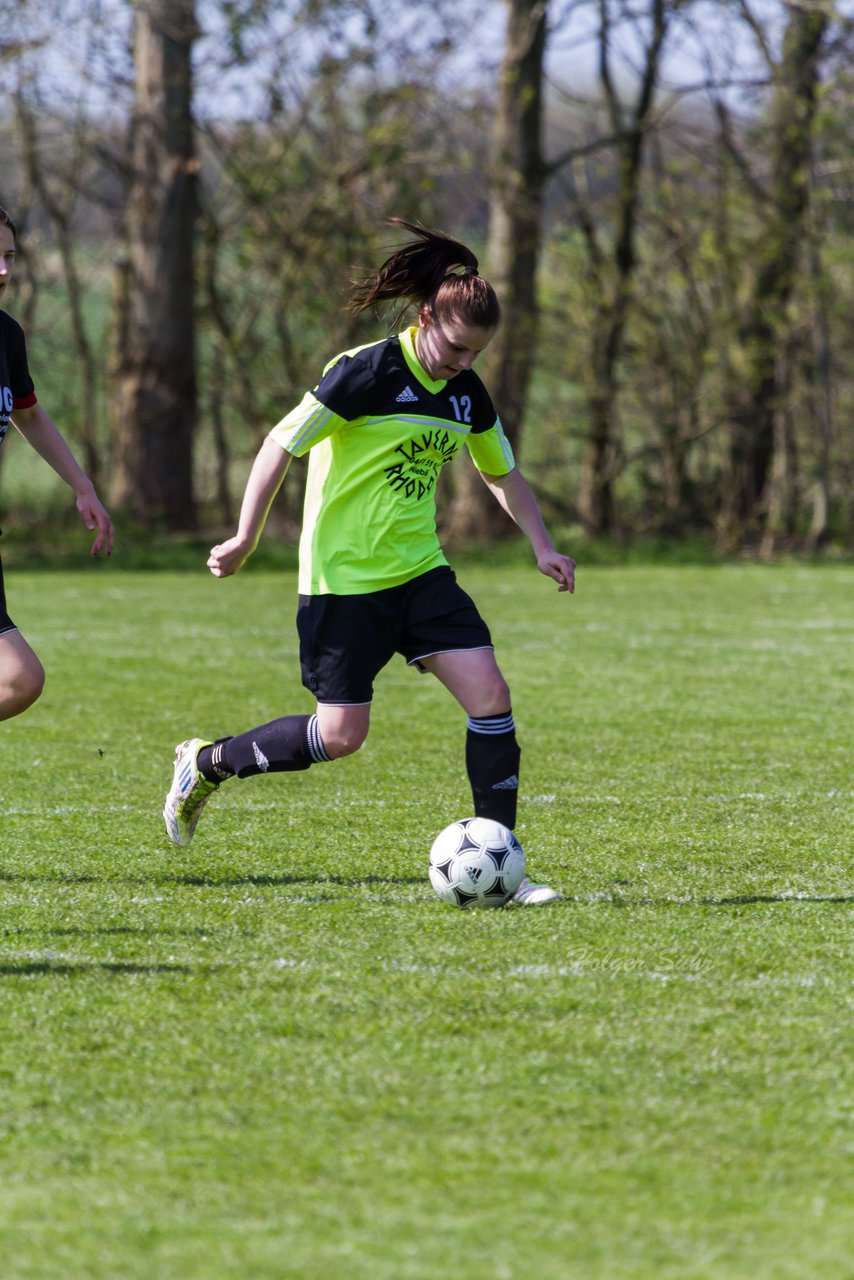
x=492, y=724
x=316, y=749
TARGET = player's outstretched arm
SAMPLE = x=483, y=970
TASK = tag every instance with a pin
x=265, y=479
x=514, y=494
x=39, y=430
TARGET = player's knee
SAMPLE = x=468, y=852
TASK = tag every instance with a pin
x=343, y=740
x=22, y=687
x=32, y=683
x=492, y=697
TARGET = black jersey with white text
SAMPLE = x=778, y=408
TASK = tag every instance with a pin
x=16, y=385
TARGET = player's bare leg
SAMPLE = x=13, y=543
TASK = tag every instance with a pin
x=21, y=675
x=343, y=729
x=474, y=678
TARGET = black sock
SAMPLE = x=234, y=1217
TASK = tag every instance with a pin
x=211, y=763
x=281, y=746
x=492, y=762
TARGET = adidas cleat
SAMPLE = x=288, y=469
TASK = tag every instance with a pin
x=534, y=895
x=188, y=794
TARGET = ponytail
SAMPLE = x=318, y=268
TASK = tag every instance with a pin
x=431, y=270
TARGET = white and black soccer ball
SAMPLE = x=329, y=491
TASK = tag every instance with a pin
x=476, y=863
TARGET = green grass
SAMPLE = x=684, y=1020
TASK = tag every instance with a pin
x=277, y=1055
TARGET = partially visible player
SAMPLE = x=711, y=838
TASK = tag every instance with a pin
x=21, y=672
x=382, y=422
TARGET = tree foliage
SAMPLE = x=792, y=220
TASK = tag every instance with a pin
x=677, y=280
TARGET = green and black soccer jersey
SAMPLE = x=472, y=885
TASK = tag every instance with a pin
x=380, y=430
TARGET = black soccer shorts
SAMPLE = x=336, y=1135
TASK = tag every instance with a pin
x=346, y=640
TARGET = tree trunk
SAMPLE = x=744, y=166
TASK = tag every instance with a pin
x=513, y=253
x=755, y=405
x=821, y=382
x=155, y=400
x=597, y=507
x=615, y=272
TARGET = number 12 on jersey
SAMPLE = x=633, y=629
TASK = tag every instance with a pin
x=462, y=408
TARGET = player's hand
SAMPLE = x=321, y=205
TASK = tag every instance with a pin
x=560, y=568
x=95, y=517
x=227, y=557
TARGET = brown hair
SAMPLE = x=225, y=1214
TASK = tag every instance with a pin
x=432, y=270
x=6, y=221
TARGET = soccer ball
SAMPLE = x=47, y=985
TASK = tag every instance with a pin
x=476, y=863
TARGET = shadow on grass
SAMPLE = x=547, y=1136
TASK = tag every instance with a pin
x=286, y=879
x=746, y=899
x=261, y=881
x=118, y=931
x=212, y=880
x=35, y=968
x=737, y=900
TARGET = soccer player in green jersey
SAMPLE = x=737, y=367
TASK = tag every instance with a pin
x=373, y=579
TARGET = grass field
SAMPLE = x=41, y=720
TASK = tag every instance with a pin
x=277, y=1055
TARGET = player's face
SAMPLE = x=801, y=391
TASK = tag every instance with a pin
x=448, y=348
x=7, y=256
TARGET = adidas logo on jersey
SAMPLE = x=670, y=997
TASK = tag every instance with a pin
x=407, y=396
